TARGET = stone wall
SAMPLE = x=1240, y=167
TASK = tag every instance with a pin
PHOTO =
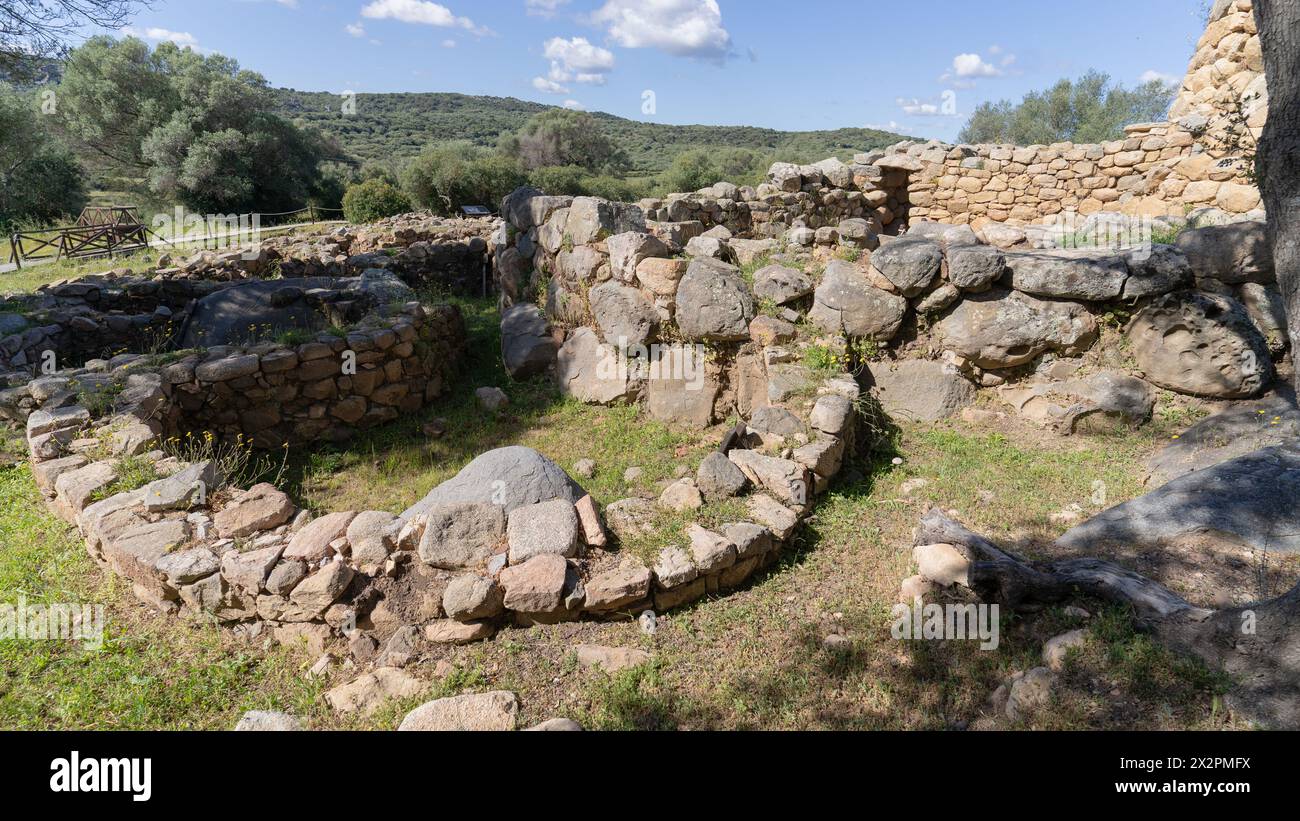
x=1202, y=157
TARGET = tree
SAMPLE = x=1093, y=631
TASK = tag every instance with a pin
x=40, y=181
x=447, y=176
x=197, y=128
x=1088, y=110
x=34, y=30
x=562, y=137
x=1278, y=155
x=373, y=200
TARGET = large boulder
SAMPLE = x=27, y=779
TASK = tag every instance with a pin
x=269, y=307
x=974, y=268
x=1003, y=329
x=1234, y=253
x=1085, y=274
x=847, y=303
x=527, y=346
x=910, y=263
x=1201, y=344
x=714, y=303
x=590, y=371
x=919, y=390
x=1227, y=435
x=780, y=284
x=592, y=220
x=1251, y=501
x=510, y=477
x=624, y=315
x=1161, y=270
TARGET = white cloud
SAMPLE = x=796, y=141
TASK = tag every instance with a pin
x=543, y=8
x=161, y=35
x=1152, y=75
x=448, y=43
x=355, y=29
x=946, y=107
x=574, y=105
x=577, y=60
x=917, y=108
x=892, y=125
x=420, y=12
x=688, y=28
x=546, y=86
x=973, y=65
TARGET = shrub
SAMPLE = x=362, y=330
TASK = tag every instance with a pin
x=373, y=200
x=445, y=177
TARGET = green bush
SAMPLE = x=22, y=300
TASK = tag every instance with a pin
x=445, y=177
x=373, y=200
x=560, y=180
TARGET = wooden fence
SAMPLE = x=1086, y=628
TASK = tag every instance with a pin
x=116, y=229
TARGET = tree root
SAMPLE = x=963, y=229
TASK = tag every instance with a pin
x=1258, y=645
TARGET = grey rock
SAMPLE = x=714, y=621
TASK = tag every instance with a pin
x=469, y=598
x=780, y=284
x=461, y=535
x=1002, y=329
x=1225, y=436
x=847, y=303
x=719, y=478
x=527, y=346
x=920, y=390
x=511, y=477
x=1085, y=274
x=1234, y=253
x=1201, y=344
x=910, y=263
x=546, y=528
x=264, y=721
x=1161, y=270
x=714, y=303
x=974, y=268
x=1253, y=500
x=592, y=372
x=625, y=316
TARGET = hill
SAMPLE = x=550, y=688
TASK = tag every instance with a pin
x=396, y=127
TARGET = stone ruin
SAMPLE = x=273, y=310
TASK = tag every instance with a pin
x=930, y=272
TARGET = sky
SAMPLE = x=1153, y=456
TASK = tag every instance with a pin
x=913, y=68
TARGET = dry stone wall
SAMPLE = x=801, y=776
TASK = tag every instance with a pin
x=1202, y=157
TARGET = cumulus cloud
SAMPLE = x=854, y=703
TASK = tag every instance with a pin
x=543, y=8
x=162, y=35
x=688, y=28
x=420, y=12
x=547, y=86
x=574, y=105
x=918, y=108
x=973, y=65
x=578, y=60
x=355, y=29
x=1151, y=75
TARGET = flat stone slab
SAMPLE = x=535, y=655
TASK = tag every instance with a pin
x=510, y=477
x=1253, y=500
x=1228, y=435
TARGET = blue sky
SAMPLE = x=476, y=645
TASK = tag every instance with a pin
x=810, y=64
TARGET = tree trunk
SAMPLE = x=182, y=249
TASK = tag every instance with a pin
x=1258, y=645
x=1278, y=157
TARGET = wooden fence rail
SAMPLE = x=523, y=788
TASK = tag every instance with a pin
x=109, y=230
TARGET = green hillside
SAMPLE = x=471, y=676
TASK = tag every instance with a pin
x=395, y=127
